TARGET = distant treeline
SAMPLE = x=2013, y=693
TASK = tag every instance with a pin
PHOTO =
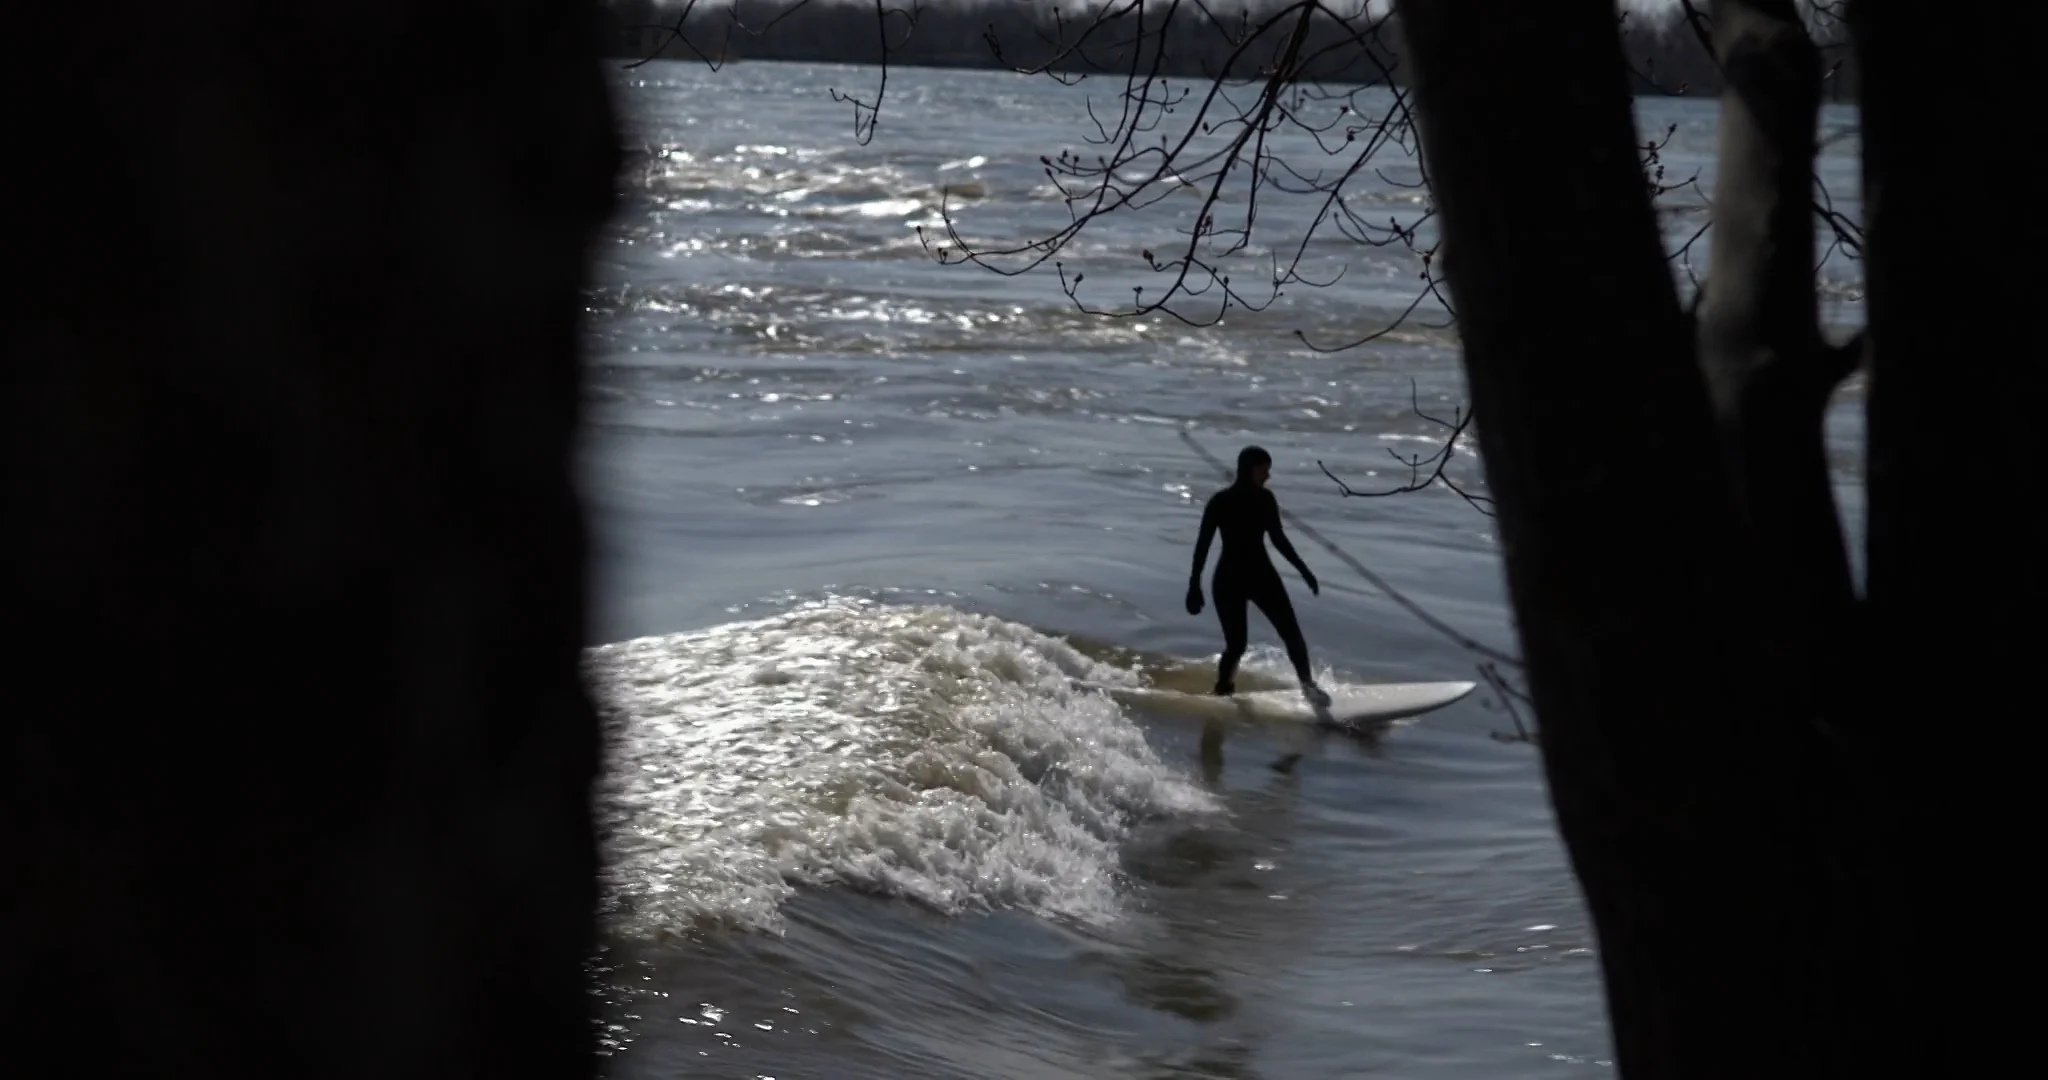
x=1664, y=54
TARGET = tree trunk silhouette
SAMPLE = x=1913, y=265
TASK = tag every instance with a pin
x=297, y=757
x=1722, y=715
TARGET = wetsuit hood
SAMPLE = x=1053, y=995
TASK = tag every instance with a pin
x=1248, y=459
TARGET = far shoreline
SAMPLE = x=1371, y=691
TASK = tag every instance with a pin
x=624, y=59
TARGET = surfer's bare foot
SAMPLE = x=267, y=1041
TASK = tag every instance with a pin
x=1224, y=689
x=1315, y=694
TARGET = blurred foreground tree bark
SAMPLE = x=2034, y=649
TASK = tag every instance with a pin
x=1730, y=724
x=296, y=757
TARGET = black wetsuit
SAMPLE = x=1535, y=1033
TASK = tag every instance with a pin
x=1246, y=516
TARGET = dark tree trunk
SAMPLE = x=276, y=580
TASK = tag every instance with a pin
x=1712, y=695
x=296, y=758
x=1958, y=497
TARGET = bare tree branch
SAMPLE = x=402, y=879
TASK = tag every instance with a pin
x=1137, y=172
x=868, y=112
x=1435, y=463
x=1513, y=699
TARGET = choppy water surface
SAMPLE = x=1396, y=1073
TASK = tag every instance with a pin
x=863, y=524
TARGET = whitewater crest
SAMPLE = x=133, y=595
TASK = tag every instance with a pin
x=918, y=752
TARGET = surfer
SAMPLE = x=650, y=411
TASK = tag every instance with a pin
x=1246, y=513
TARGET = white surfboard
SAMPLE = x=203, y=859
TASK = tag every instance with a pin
x=1344, y=707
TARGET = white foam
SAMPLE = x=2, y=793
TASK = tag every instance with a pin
x=919, y=752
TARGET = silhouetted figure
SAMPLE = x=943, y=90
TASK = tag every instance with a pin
x=1246, y=513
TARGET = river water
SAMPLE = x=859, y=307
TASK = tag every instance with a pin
x=863, y=521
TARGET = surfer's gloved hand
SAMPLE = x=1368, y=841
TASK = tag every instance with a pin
x=1195, y=596
x=1313, y=588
